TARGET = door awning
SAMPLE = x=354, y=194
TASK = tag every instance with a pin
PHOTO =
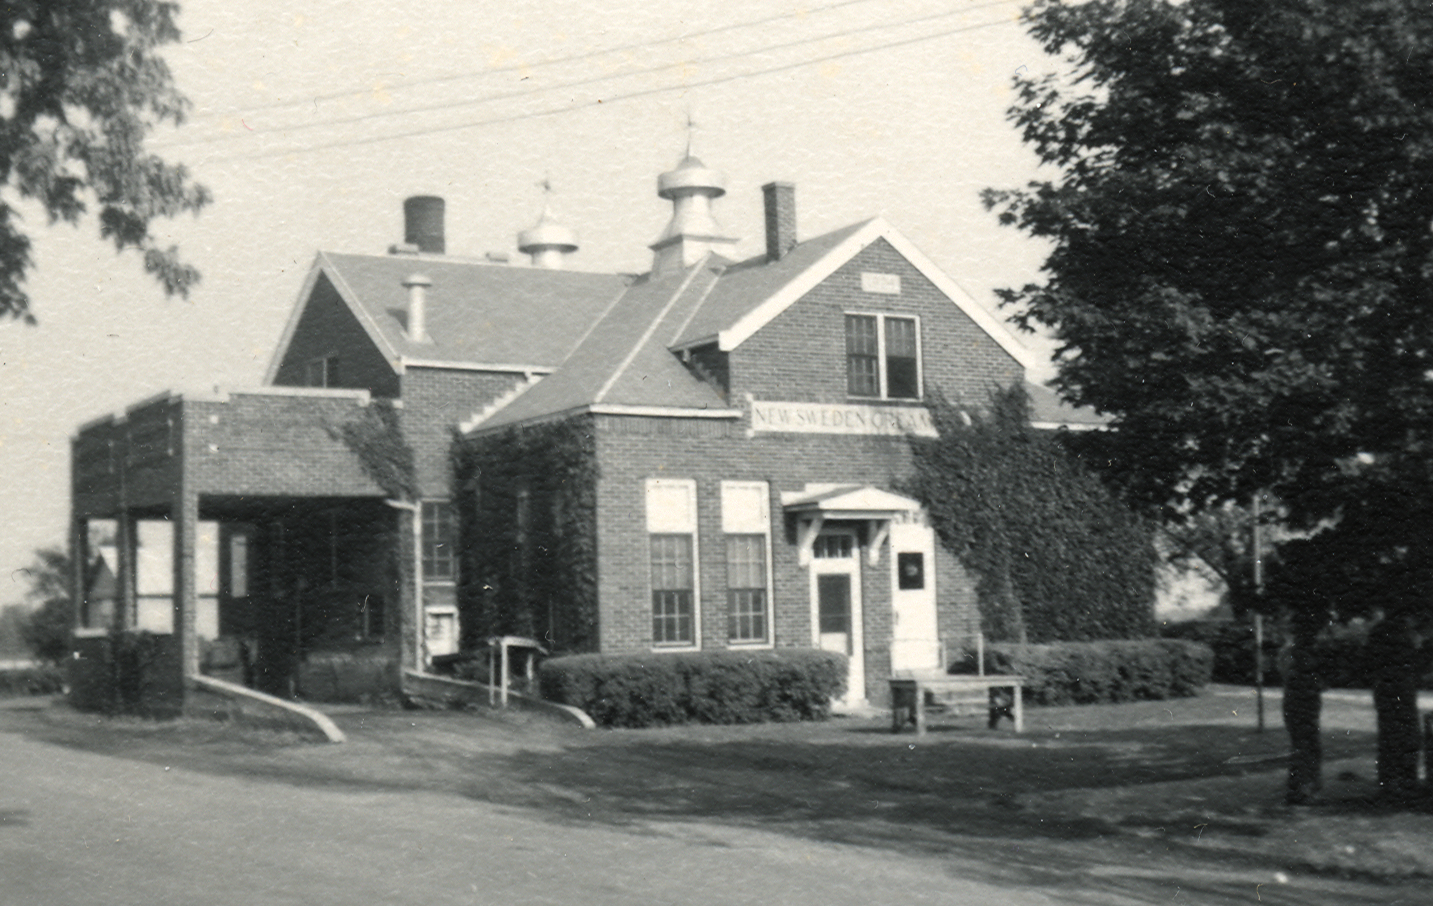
x=818, y=503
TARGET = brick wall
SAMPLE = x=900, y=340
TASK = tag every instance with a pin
x=435, y=400
x=801, y=354
x=631, y=450
x=327, y=327
x=270, y=445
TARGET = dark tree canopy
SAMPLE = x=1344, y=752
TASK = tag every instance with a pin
x=81, y=86
x=1241, y=263
x=1241, y=275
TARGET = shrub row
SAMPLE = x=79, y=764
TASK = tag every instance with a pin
x=1340, y=657
x=716, y=687
x=42, y=680
x=1081, y=673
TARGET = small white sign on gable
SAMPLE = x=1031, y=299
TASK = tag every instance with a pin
x=886, y=284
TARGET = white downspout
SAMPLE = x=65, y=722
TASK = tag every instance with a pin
x=416, y=512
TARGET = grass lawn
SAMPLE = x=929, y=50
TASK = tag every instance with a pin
x=1187, y=782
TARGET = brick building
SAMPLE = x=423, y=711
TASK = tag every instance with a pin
x=706, y=456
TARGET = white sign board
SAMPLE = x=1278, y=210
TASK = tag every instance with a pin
x=775, y=416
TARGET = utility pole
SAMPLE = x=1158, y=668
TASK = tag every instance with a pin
x=1258, y=545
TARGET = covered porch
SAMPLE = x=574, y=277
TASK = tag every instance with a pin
x=241, y=538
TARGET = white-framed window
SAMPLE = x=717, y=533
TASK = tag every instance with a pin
x=440, y=542
x=746, y=523
x=672, y=544
x=154, y=575
x=321, y=372
x=883, y=356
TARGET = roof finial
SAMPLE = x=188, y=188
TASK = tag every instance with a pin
x=547, y=241
x=691, y=132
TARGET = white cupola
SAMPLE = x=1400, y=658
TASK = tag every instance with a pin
x=547, y=241
x=693, y=231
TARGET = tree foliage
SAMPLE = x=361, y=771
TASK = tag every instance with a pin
x=1242, y=266
x=1056, y=555
x=46, y=630
x=82, y=85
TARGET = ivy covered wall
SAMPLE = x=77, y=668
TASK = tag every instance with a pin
x=526, y=500
x=1059, y=557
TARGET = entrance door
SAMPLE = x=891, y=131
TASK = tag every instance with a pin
x=836, y=604
x=915, y=643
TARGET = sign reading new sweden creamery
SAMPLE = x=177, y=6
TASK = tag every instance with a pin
x=777, y=416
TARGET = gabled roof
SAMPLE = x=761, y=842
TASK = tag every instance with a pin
x=847, y=501
x=629, y=359
x=625, y=362
x=745, y=286
x=759, y=291
x=478, y=314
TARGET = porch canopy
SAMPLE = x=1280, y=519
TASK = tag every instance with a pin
x=233, y=514
x=820, y=503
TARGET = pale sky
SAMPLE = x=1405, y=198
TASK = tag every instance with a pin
x=313, y=119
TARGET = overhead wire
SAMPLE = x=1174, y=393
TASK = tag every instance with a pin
x=542, y=64
x=576, y=83
x=555, y=111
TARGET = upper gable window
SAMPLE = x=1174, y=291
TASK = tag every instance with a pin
x=883, y=356
x=321, y=372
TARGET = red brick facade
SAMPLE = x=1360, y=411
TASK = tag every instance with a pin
x=798, y=356
x=276, y=464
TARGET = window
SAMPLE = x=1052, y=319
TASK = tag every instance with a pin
x=439, y=542
x=673, y=609
x=883, y=356
x=322, y=372
x=833, y=547
x=671, y=527
x=746, y=587
x=154, y=575
x=746, y=521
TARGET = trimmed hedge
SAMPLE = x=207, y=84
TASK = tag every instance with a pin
x=1233, y=646
x=1084, y=673
x=713, y=687
x=39, y=680
x=1341, y=660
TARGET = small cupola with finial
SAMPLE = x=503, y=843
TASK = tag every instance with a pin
x=547, y=242
x=693, y=230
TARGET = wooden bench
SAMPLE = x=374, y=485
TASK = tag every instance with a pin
x=996, y=695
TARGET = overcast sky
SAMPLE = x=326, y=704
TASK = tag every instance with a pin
x=313, y=119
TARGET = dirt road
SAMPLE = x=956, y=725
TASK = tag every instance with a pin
x=81, y=828
x=444, y=808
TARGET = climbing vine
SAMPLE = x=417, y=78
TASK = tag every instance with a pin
x=1057, y=556
x=527, y=504
x=376, y=438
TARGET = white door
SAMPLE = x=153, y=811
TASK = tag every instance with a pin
x=915, y=643
x=836, y=604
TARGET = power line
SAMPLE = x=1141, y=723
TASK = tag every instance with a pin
x=717, y=80
x=577, y=83
x=542, y=64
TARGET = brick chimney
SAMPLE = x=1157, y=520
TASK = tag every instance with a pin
x=780, y=218
x=423, y=224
